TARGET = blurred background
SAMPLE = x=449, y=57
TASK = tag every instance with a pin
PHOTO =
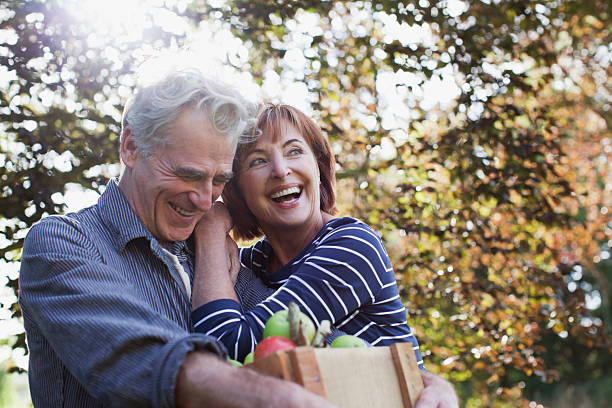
x=475, y=137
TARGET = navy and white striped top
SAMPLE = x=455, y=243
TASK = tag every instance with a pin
x=344, y=275
x=106, y=310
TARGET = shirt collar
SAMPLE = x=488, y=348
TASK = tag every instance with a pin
x=119, y=217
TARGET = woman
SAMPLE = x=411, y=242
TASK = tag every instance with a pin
x=334, y=268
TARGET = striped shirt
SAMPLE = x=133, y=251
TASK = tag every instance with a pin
x=344, y=275
x=106, y=309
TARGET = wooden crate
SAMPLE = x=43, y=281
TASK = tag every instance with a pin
x=384, y=377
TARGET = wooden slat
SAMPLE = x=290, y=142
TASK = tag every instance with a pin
x=359, y=377
x=408, y=374
x=306, y=370
x=275, y=365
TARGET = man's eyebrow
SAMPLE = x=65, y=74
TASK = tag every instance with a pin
x=225, y=176
x=189, y=172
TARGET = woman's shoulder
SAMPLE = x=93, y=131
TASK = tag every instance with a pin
x=347, y=228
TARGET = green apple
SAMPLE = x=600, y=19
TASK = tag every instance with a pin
x=348, y=340
x=234, y=362
x=278, y=325
x=249, y=358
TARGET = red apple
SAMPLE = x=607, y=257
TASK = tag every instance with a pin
x=278, y=325
x=271, y=345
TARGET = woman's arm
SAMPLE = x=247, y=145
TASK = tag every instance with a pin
x=343, y=273
x=217, y=262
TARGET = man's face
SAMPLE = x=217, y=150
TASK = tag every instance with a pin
x=172, y=189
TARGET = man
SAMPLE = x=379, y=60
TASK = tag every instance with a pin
x=105, y=292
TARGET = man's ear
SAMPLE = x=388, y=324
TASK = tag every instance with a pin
x=129, y=152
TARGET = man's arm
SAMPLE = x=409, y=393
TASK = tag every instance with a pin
x=206, y=381
x=112, y=338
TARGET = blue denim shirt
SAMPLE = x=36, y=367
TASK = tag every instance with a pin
x=106, y=313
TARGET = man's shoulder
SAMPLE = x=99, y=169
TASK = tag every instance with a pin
x=75, y=226
x=80, y=220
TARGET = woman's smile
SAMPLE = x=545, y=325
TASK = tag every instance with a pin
x=287, y=197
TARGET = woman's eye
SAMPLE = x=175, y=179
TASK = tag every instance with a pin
x=294, y=151
x=257, y=161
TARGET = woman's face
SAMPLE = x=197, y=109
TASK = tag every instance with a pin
x=280, y=182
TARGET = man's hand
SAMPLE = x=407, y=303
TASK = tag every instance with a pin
x=206, y=381
x=438, y=393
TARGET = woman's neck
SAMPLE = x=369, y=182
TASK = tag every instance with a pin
x=288, y=243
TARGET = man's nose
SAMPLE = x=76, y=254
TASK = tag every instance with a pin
x=202, y=198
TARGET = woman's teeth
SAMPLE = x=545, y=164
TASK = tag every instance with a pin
x=287, y=194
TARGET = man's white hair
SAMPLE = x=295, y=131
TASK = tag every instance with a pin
x=155, y=107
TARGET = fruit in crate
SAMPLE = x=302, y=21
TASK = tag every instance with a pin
x=348, y=340
x=233, y=362
x=249, y=358
x=271, y=345
x=301, y=332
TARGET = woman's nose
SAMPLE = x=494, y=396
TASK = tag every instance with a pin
x=280, y=167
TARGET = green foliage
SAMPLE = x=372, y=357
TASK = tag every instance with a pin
x=493, y=200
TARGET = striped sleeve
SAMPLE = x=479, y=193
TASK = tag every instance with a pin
x=123, y=350
x=344, y=271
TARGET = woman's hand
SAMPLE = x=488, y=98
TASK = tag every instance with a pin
x=233, y=257
x=217, y=262
x=215, y=223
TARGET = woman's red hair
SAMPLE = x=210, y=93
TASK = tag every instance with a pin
x=273, y=119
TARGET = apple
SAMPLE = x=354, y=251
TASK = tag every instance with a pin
x=248, y=358
x=271, y=345
x=234, y=362
x=278, y=325
x=348, y=340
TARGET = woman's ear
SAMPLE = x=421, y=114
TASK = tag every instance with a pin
x=128, y=152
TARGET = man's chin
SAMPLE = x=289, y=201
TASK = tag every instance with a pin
x=182, y=235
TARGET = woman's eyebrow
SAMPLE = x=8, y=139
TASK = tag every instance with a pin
x=260, y=150
x=254, y=150
x=288, y=142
